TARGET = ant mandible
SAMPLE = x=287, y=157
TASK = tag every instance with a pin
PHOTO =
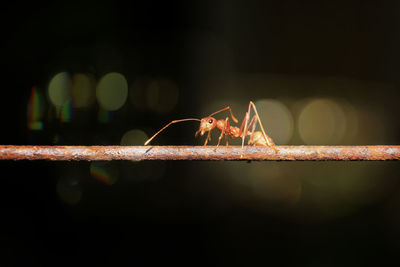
x=209, y=123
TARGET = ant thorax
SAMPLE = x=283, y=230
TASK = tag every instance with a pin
x=231, y=130
x=221, y=124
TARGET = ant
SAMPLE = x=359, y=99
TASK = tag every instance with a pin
x=209, y=123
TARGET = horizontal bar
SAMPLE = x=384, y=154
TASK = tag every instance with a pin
x=258, y=153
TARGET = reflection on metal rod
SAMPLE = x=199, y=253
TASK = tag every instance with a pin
x=139, y=153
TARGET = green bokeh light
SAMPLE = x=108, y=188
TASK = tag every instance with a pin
x=59, y=89
x=112, y=91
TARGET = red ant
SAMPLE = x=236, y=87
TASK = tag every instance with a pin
x=209, y=123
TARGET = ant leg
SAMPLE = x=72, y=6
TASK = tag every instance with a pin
x=242, y=125
x=226, y=136
x=252, y=123
x=241, y=133
x=222, y=132
x=266, y=137
x=208, y=138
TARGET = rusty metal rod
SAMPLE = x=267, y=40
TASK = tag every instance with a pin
x=139, y=153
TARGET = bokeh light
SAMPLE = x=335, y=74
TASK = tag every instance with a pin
x=162, y=95
x=138, y=92
x=35, y=110
x=59, y=89
x=159, y=95
x=104, y=116
x=276, y=119
x=322, y=121
x=105, y=172
x=112, y=91
x=69, y=190
x=65, y=111
x=83, y=90
x=325, y=190
x=352, y=122
x=372, y=127
x=270, y=182
x=337, y=189
x=134, y=137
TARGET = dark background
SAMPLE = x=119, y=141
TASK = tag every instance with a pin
x=215, y=53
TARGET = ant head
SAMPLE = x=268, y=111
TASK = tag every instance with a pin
x=206, y=125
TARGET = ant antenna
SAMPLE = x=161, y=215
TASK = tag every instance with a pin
x=172, y=122
x=230, y=110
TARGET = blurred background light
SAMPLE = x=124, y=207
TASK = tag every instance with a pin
x=271, y=182
x=337, y=189
x=373, y=128
x=69, y=190
x=276, y=119
x=134, y=137
x=105, y=172
x=35, y=110
x=152, y=94
x=104, y=116
x=83, y=90
x=65, y=111
x=112, y=91
x=352, y=123
x=322, y=121
x=159, y=95
x=59, y=89
x=138, y=92
x=162, y=95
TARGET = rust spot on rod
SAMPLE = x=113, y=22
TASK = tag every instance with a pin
x=249, y=153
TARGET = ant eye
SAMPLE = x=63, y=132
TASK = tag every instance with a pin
x=210, y=121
